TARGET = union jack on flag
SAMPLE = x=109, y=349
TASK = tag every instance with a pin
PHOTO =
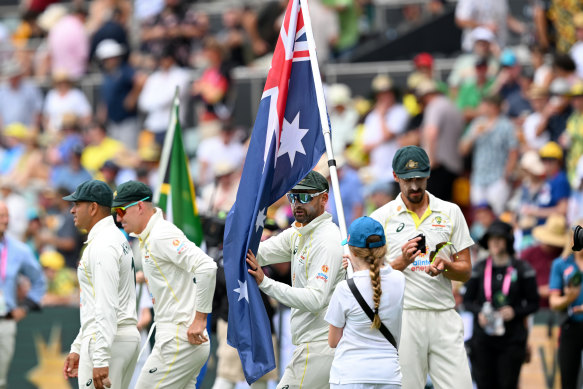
x=286, y=143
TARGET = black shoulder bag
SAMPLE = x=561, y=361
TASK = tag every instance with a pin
x=384, y=330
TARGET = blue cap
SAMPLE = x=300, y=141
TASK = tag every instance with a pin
x=508, y=58
x=361, y=229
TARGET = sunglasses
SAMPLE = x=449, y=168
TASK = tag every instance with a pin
x=121, y=211
x=303, y=198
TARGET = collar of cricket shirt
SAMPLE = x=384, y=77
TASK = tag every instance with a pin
x=311, y=226
x=153, y=220
x=101, y=225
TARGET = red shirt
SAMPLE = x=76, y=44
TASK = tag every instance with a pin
x=541, y=261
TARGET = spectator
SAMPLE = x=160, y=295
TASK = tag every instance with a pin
x=17, y=205
x=424, y=69
x=495, y=153
x=566, y=297
x=491, y=14
x=575, y=206
x=109, y=172
x=100, y=148
x=171, y=31
x=343, y=117
x=112, y=29
x=64, y=99
x=508, y=287
x=326, y=29
x=565, y=68
x=61, y=281
x=472, y=91
x=120, y=90
x=378, y=194
x=219, y=196
x=382, y=127
x=543, y=73
x=213, y=86
x=440, y=132
x=555, y=193
x=539, y=99
x=464, y=68
x=348, y=12
x=483, y=217
x=233, y=38
x=556, y=113
x=507, y=80
x=561, y=15
x=350, y=193
x=70, y=174
x=222, y=148
x=551, y=238
x=573, y=136
x=68, y=43
x=21, y=99
x=577, y=49
x=157, y=95
x=533, y=181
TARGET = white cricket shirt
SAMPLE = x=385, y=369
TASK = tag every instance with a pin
x=180, y=276
x=315, y=253
x=442, y=222
x=108, y=290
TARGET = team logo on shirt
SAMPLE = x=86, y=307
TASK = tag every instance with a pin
x=325, y=268
x=438, y=222
x=175, y=242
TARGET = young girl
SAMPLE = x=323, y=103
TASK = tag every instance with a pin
x=364, y=357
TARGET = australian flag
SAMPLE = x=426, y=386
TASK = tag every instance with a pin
x=286, y=143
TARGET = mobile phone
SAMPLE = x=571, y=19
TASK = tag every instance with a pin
x=421, y=245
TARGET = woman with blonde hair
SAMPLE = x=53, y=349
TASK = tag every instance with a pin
x=365, y=314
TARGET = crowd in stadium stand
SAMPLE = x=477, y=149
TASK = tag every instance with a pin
x=503, y=131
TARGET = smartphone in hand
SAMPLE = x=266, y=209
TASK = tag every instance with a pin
x=422, y=244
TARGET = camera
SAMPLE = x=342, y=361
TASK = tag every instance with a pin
x=577, y=238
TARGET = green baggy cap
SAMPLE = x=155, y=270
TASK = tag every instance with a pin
x=410, y=162
x=132, y=191
x=312, y=181
x=93, y=191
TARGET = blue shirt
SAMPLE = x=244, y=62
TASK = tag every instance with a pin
x=20, y=105
x=350, y=193
x=560, y=271
x=115, y=88
x=64, y=176
x=554, y=190
x=20, y=260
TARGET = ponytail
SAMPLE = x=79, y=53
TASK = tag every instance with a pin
x=375, y=258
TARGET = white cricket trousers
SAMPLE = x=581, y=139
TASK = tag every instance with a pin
x=7, y=341
x=124, y=355
x=174, y=363
x=309, y=367
x=433, y=342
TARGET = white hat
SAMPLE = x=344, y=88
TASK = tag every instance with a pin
x=51, y=16
x=108, y=48
x=532, y=163
x=482, y=34
x=339, y=94
x=12, y=68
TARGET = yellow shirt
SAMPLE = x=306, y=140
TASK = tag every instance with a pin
x=94, y=157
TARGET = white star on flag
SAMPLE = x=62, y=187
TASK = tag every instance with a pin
x=291, y=139
x=242, y=290
x=260, y=222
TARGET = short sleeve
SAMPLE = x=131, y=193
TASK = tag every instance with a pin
x=460, y=236
x=336, y=315
x=556, y=279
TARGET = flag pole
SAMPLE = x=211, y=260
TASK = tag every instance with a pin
x=325, y=126
x=167, y=148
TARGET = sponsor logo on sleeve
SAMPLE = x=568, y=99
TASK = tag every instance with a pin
x=175, y=242
x=325, y=268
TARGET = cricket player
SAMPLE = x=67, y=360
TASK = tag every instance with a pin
x=313, y=245
x=181, y=279
x=432, y=332
x=105, y=351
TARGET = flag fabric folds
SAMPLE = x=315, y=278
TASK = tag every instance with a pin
x=286, y=143
x=176, y=196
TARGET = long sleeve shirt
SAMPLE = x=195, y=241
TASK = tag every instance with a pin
x=315, y=253
x=17, y=259
x=180, y=276
x=106, y=275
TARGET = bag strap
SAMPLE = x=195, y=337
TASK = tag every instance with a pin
x=367, y=309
